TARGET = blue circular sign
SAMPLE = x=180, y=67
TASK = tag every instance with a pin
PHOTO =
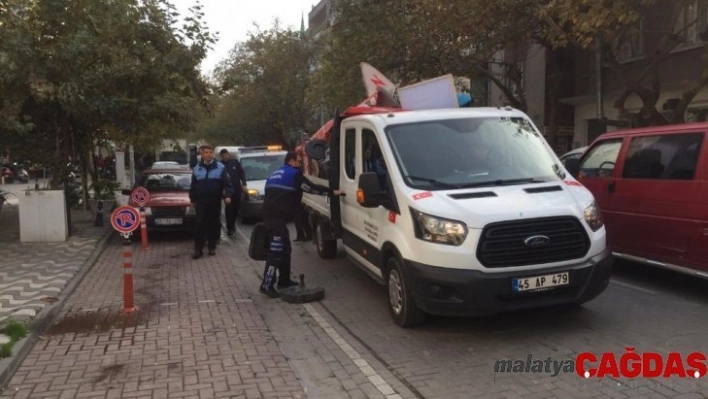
x=125, y=219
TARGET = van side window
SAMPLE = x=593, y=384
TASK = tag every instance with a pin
x=665, y=157
x=600, y=160
x=350, y=153
x=373, y=157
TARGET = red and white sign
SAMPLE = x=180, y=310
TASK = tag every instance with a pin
x=424, y=194
x=140, y=196
x=125, y=219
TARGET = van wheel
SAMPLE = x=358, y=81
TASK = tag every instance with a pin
x=325, y=248
x=403, y=309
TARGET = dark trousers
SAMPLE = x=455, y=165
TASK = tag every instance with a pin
x=279, y=250
x=302, y=225
x=231, y=211
x=208, y=224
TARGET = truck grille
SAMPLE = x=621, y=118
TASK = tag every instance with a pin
x=168, y=210
x=503, y=244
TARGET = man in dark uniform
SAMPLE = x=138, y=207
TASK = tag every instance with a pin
x=283, y=190
x=210, y=184
x=238, y=179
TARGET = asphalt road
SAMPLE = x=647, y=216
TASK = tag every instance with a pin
x=645, y=308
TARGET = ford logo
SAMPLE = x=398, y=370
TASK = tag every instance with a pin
x=537, y=241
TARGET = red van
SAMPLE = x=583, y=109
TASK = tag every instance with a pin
x=651, y=186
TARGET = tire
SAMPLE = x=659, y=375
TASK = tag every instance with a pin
x=401, y=304
x=326, y=249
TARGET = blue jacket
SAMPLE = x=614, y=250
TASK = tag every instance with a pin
x=210, y=183
x=283, y=192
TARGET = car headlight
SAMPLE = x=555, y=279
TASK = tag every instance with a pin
x=253, y=194
x=190, y=210
x=147, y=210
x=438, y=230
x=593, y=217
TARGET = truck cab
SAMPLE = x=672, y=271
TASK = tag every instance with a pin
x=459, y=212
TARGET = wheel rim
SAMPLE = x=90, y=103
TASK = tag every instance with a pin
x=395, y=291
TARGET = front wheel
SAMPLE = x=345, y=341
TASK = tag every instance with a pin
x=401, y=305
x=326, y=248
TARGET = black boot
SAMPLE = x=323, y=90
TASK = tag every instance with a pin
x=198, y=253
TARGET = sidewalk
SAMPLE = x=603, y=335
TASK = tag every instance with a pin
x=197, y=334
x=35, y=277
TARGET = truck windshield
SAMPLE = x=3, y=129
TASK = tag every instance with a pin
x=262, y=166
x=472, y=152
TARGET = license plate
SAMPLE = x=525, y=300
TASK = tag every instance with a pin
x=540, y=282
x=168, y=221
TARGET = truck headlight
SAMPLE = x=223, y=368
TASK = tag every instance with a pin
x=593, y=217
x=438, y=230
x=253, y=194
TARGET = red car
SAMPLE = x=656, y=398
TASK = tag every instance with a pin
x=168, y=207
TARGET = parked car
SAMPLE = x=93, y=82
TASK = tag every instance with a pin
x=168, y=207
x=651, y=185
x=258, y=163
x=575, y=154
x=167, y=165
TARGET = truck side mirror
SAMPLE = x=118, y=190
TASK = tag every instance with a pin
x=316, y=149
x=572, y=165
x=369, y=194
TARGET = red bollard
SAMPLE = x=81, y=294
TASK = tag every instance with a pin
x=128, y=296
x=143, y=229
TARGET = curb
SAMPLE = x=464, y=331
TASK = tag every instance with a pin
x=42, y=321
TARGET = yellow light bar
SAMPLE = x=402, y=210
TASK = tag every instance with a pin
x=275, y=147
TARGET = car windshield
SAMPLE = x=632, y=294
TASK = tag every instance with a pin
x=262, y=166
x=166, y=181
x=472, y=152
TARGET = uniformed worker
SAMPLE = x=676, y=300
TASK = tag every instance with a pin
x=281, y=204
x=210, y=185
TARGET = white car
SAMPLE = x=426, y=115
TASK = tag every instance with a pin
x=575, y=154
x=166, y=165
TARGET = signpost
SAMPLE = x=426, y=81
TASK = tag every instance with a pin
x=125, y=220
x=141, y=196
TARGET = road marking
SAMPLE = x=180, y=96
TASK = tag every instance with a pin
x=207, y=301
x=360, y=362
x=634, y=287
x=168, y=304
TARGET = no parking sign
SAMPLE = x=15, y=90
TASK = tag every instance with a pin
x=140, y=196
x=125, y=219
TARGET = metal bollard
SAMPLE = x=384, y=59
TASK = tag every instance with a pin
x=99, y=215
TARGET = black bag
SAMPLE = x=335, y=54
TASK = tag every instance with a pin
x=258, y=248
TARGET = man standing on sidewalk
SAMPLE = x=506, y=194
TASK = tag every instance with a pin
x=283, y=191
x=210, y=184
x=238, y=179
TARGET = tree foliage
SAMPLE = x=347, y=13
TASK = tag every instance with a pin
x=264, y=83
x=80, y=70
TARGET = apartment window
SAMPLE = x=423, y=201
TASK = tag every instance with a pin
x=692, y=23
x=633, y=45
x=666, y=157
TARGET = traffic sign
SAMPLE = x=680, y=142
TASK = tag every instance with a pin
x=125, y=219
x=140, y=196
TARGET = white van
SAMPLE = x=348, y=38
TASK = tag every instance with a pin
x=460, y=212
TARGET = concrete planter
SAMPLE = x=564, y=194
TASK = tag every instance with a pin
x=43, y=216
